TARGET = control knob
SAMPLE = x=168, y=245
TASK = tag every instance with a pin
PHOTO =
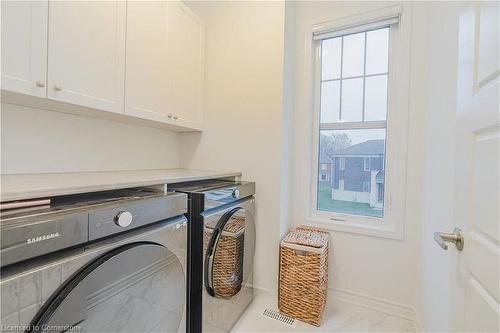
x=123, y=219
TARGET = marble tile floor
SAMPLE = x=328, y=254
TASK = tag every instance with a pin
x=339, y=317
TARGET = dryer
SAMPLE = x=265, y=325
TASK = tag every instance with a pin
x=111, y=261
x=221, y=251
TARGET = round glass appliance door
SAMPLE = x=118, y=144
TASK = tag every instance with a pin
x=230, y=247
x=138, y=287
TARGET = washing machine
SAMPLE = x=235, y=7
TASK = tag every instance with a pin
x=112, y=261
x=221, y=251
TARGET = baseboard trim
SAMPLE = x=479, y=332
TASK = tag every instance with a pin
x=267, y=290
x=369, y=302
x=418, y=323
x=377, y=304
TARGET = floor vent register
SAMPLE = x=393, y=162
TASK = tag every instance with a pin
x=274, y=314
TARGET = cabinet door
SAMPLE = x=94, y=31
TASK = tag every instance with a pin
x=24, y=47
x=186, y=63
x=146, y=80
x=86, y=60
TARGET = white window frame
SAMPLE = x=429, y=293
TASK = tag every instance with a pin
x=367, y=183
x=341, y=163
x=378, y=186
x=392, y=223
x=366, y=164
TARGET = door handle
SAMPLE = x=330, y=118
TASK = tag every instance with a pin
x=456, y=238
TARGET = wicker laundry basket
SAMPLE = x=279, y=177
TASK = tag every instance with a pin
x=303, y=276
x=228, y=259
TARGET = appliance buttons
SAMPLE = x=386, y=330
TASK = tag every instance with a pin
x=236, y=194
x=123, y=219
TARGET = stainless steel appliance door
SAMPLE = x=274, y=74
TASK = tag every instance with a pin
x=136, y=287
x=229, y=247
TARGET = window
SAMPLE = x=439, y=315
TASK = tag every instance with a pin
x=361, y=104
x=354, y=75
x=353, y=108
x=380, y=192
x=341, y=161
x=324, y=167
x=324, y=177
x=366, y=164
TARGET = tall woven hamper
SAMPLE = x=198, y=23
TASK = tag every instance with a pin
x=228, y=260
x=303, y=276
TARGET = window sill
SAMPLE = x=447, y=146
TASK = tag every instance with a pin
x=353, y=227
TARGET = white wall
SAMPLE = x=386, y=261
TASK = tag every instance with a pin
x=245, y=123
x=288, y=105
x=34, y=140
x=363, y=265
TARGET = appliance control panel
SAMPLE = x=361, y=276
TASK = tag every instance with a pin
x=116, y=219
x=225, y=195
x=30, y=236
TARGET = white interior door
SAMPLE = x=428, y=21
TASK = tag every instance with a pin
x=475, y=271
x=86, y=60
x=24, y=46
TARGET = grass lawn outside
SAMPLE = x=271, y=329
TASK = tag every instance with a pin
x=326, y=203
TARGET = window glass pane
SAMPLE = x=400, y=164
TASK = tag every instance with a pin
x=377, y=51
x=349, y=188
x=330, y=101
x=352, y=100
x=331, y=52
x=353, y=57
x=376, y=97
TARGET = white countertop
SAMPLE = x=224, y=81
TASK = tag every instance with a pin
x=27, y=186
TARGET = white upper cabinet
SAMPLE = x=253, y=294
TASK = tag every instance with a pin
x=186, y=63
x=144, y=59
x=86, y=57
x=146, y=80
x=24, y=47
x=165, y=63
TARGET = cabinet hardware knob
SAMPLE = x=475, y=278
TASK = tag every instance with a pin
x=175, y=117
x=58, y=88
x=40, y=84
x=169, y=115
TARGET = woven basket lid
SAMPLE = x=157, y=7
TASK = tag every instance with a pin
x=307, y=237
x=235, y=224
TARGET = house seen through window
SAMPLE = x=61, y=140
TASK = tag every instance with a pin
x=352, y=128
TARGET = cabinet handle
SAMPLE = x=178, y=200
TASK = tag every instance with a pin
x=40, y=84
x=169, y=115
x=58, y=88
x=175, y=117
